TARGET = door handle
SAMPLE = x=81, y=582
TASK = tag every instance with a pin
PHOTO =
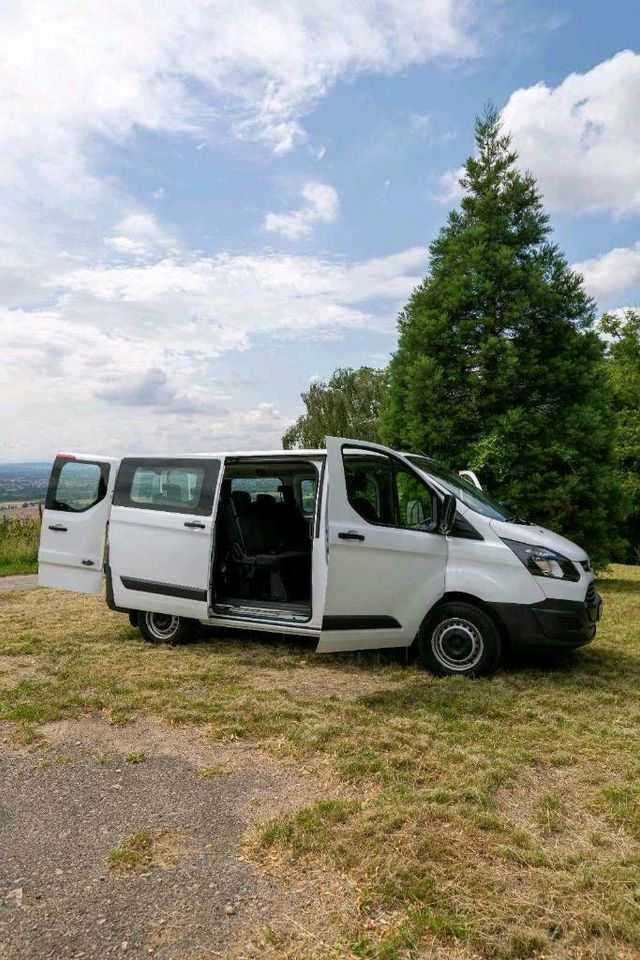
x=58, y=526
x=87, y=563
x=350, y=535
x=195, y=524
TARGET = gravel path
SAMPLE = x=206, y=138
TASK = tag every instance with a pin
x=62, y=810
x=26, y=581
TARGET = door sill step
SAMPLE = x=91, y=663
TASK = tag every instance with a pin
x=254, y=612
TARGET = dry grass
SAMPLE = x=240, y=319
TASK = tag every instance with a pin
x=496, y=819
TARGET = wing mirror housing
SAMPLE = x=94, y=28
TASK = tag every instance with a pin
x=447, y=514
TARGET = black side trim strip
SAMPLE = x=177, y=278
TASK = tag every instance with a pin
x=109, y=591
x=360, y=623
x=167, y=589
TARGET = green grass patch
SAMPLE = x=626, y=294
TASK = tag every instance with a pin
x=19, y=541
x=208, y=773
x=142, y=850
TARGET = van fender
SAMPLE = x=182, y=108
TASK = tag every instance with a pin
x=491, y=581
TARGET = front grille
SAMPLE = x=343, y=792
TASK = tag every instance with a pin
x=590, y=598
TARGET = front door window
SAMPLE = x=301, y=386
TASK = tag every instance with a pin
x=382, y=490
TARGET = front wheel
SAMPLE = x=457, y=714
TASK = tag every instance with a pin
x=459, y=640
x=165, y=628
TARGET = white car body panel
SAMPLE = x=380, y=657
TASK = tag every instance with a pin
x=157, y=547
x=391, y=573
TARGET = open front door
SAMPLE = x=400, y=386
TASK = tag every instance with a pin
x=71, y=555
x=386, y=559
x=161, y=534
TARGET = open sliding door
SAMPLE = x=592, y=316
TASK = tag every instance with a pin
x=161, y=534
x=386, y=562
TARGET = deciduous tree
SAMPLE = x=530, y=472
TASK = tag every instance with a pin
x=346, y=405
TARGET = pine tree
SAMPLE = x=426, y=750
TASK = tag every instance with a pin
x=498, y=367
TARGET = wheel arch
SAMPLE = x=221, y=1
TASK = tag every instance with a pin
x=452, y=596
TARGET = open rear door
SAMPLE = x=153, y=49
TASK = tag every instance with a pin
x=161, y=534
x=74, y=522
x=386, y=560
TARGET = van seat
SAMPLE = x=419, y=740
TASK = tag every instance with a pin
x=251, y=541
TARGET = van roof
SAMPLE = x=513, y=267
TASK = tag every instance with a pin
x=186, y=455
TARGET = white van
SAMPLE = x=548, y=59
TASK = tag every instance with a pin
x=357, y=546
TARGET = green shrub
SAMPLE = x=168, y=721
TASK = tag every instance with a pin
x=19, y=538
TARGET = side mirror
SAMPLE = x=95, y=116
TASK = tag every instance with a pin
x=471, y=477
x=447, y=514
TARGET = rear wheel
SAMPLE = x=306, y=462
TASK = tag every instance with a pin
x=165, y=628
x=459, y=639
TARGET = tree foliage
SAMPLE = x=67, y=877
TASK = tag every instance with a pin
x=346, y=405
x=498, y=367
x=622, y=338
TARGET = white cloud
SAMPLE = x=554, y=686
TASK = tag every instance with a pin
x=154, y=389
x=321, y=206
x=121, y=339
x=139, y=234
x=613, y=273
x=581, y=139
x=104, y=70
x=421, y=124
x=115, y=300
x=450, y=189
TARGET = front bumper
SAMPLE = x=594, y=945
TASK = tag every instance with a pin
x=559, y=624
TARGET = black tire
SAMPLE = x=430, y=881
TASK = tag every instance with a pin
x=459, y=640
x=133, y=618
x=164, y=628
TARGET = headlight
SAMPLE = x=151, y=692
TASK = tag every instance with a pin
x=543, y=562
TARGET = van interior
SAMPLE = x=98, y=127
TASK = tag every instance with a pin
x=264, y=539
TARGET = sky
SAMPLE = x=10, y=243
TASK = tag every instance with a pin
x=205, y=206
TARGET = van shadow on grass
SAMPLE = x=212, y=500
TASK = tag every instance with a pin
x=591, y=659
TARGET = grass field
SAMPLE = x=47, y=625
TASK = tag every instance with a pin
x=19, y=539
x=497, y=818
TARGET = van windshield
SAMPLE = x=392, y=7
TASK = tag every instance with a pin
x=466, y=492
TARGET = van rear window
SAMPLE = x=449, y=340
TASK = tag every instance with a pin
x=175, y=486
x=76, y=485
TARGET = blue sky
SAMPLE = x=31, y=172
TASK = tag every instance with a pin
x=204, y=206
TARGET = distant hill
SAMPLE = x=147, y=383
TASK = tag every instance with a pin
x=26, y=481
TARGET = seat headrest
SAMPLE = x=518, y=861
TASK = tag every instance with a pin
x=357, y=480
x=266, y=501
x=288, y=495
x=174, y=492
x=241, y=500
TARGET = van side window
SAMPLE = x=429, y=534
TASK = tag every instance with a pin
x=308, y=495
x=76, y=485
x=383, y=490
x=415, y=500
x=370, y=484
x=175, y=486
x=170, y=487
